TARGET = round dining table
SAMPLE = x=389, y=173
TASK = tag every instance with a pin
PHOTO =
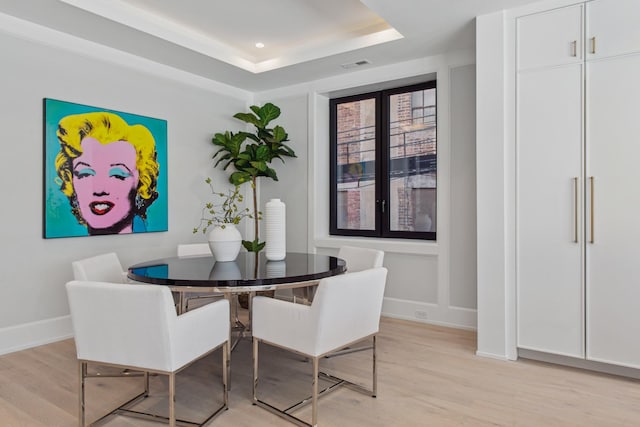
x=250, y=272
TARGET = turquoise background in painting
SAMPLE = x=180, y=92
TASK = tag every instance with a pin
x=59, y=221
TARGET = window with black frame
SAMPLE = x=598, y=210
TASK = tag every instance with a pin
x=384, y=163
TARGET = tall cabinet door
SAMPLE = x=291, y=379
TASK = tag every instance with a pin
x=613, y=168
x=549, y=216
x=549, y=150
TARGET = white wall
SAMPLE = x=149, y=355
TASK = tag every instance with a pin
x=40, y=63
x=292, y=183
x=421, y=285
x=462, y=292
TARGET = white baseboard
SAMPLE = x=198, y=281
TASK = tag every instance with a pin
x=21, y=337
x=492, y=356
x=455, y=317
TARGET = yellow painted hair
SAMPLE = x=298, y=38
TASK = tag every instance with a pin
x=106, y=128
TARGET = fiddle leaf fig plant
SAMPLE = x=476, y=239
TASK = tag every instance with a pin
x=251, y=155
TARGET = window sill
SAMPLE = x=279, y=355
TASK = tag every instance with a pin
x=402, y=246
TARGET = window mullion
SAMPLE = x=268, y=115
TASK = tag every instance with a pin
x=382, y=172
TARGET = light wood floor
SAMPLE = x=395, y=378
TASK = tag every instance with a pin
x=428, y=376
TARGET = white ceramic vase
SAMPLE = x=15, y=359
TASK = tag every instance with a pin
x=276, y=237
x=225, y=241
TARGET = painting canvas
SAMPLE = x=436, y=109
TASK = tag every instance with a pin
x=105, y=171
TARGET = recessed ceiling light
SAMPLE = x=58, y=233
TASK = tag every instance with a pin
x=259, y=45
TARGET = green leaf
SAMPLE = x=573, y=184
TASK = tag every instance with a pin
x=271, y=173
x=265, y=135
x=239, y=177
x=248, y=118
x=263, y=153
x=253, y=246
x=251, y=136
x=260, y=165
x=289, y=152
x=279, y=134
x=266, y=113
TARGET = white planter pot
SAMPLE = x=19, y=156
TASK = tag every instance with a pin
x=225, y=242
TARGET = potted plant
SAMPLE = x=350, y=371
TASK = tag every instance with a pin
x=251, y=155
x=223, y=213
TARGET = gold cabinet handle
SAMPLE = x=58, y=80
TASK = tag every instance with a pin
x=574, y=48
x=575, y=209
x=592, y=186
x=593, y=45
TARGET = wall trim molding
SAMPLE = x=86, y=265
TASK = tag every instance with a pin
x=34, y=334
x=429, y=313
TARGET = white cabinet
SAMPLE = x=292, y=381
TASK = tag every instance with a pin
x=613, y=28
x=550, y=38
x=549, y=167
x=613, y=271
x=577, y=148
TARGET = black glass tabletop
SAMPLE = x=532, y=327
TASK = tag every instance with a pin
x=249, y=269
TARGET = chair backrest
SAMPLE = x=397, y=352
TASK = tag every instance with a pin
x=192, y=249
x=359, y=259
x=122, y=324
x=348, y=307
x=103, y=268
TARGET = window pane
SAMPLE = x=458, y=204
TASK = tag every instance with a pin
x=412, y=161
x=356, y=156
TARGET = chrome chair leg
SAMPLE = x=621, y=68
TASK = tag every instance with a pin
x=172, y=399
x=255, y=371
x=375, y=370
x=82, y=368
x=316, y=393
x=314, y=398
x=128, y=409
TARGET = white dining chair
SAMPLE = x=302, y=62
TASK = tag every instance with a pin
x=356, y=258
x=359, y=259
x=104, y=268
x=194, y=249
x=189, y=250
x=136, y=327
x=346, y=309
x=203, y=249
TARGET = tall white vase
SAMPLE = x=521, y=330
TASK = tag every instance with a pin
x=275, y=225
x=225, y=242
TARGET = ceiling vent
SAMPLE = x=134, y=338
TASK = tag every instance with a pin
x=356, y=64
